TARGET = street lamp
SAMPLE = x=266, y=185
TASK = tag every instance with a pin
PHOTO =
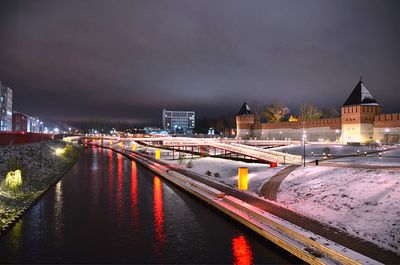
x=304, y=146
x=304, y=149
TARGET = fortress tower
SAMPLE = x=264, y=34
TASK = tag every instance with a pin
x=244, y=122
x=358, y=115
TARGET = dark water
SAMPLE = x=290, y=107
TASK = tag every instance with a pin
x=108, y=209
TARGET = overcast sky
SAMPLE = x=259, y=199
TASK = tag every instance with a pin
x=78, y=60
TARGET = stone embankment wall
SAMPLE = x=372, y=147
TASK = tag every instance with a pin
x=40, y=166
x=387, y=128
x=318, y=130
x=312, y=134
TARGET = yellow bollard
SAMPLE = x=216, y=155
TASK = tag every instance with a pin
x=134, y=147
x=243, y=178
x=158, y=154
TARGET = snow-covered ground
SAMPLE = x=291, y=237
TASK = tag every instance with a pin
x=228, y=170
x=387, y=158
x=363, y=202
x=315, y=151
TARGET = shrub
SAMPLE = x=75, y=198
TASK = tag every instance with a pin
x=217, y=175
x=208, y=173
x=13, y=180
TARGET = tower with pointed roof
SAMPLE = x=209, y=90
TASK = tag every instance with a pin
x=358, y=115
x=244, y=122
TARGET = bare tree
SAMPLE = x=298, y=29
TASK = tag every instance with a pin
x=257, y=108
x=330, y=112
x=309, y=112
x=276, y=111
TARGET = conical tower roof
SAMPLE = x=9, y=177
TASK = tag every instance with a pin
x=360, y=96
x=244, y=110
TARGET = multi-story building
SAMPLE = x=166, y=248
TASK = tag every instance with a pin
x=24, y=123
x=178, y=121
x=6, y=103
x=34, y=125
x=19, y=122
x=361, y=121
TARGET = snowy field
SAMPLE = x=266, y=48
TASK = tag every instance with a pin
x=370, y=160
x=228, y=170
x=363, y=202
x=387, y=158
x=319, y=149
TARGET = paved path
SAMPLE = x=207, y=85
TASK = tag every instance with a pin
x=270, y=188
x=357, y=244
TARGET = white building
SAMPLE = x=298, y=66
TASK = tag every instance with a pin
x=6, y=100
x=178, y=121
x=34, y=125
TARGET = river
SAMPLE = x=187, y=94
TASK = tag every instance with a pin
x=109, y=209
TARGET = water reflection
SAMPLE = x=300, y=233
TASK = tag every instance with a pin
x=58, y=208
x=134, y=195
x=16, y=237
x=158, y=215
x=95, y=162
x=110, y=178
x=242, y=254
x=120, y=176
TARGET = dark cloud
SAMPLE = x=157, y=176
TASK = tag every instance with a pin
x=126, y=59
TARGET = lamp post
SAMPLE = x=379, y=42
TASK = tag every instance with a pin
x=304, y=146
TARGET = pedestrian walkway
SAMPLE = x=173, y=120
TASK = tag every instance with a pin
x=269, y=189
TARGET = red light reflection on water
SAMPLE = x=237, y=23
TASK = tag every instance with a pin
x=110, y=177
x=120, y=178
x=158, y=215
x=241, y=249
x=134, y=195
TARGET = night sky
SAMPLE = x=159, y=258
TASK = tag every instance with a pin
x=81, y=60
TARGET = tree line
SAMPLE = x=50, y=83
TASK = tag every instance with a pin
x=277, y=111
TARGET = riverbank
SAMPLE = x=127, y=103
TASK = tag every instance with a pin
x=41, y=164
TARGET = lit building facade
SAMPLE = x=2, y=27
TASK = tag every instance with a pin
x=6, y=105
x=19, y=122
x=178, y=121
x=34, y=125
x=24, y=123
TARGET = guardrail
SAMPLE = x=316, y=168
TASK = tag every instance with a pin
x=285, y=156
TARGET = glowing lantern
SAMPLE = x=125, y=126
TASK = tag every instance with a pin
x=110, y=142
x=158, y=154
x=13, y=180
x=120, y=144
x=243, y=178
x=59, y=151
x=134, y=147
